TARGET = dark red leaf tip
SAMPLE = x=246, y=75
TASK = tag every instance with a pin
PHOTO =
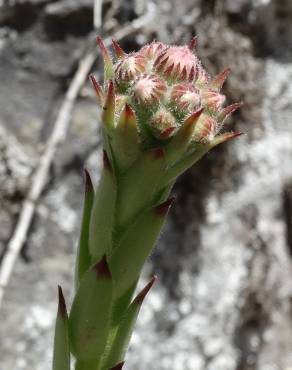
x=167, y=133
x=111, y=87
x=128, y=110
x=141, y=296
x=194, y=116
x=88, y=182
x=102, y=269
x=103, y=49
x=238, y=133
x=118, y=366
x=62, y=305
x=193, y=43
x=117, y=49
x=158, y=153
x=106, y=162
x=164, y=207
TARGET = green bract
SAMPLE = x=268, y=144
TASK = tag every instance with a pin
x=160, y=114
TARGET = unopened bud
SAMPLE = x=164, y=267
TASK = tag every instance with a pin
x=163, y=124
x=186, y=96
x=149, y=89
x=131, y=67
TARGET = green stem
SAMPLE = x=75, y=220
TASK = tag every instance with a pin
x=87, y=365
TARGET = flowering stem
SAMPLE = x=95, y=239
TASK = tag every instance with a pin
x=160, y=115
x=86, y=365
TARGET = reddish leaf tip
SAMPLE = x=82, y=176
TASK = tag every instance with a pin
x=194, y=116
x=129, y=111
x=101, y=44
x=221, y=77
x=102, y=269
x=193, y=43
x=167, y=133
x=96, y=87
x=118, y=366
x=141, y=296
x=118, y=50
x=164, y=207
x=88, y=182
x=62, y=304
x=158, y=153
x=232, y=135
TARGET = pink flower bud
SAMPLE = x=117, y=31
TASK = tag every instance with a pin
x=163, y=124
x=179, y=64
x=206, y=129
x=151, y=51
x=186, y=96
x=213, y=99
x=131, y=67
x=149, y=89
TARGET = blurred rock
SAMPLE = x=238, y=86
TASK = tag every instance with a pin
x=68, y=17
x=16, y=164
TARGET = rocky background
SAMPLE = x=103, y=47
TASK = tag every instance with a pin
x=224, y=296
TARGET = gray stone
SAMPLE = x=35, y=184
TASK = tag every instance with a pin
x=68, y=17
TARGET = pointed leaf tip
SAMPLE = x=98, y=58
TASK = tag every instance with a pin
x=97, y=88
x=88, y=182
x=108, y=64
x=228, y=110
x=164, y=207
x=141, y=296
x=110, y=92
x=193, y=43
x=128, y=116
x=158, y=153
x=62, y=305
x=103, y=49
x=102, y=269
x=118, y=50
x=232, y=135
x=118, y=366
x=193, y=118
x=219, y=80
x=109, y=106
x=225, y=137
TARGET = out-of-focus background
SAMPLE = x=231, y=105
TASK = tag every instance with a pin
x=223, y=300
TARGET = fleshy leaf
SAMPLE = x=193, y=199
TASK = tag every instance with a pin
x=83, y=256
x=89, y=319
x=108, y=110
x=125, y=139
x=108, y=64
x=135, y=246
x=61, y=356
x=102, y=215
x=138, y=185
x=181, y=166
x=179, y=143
x=124, y=332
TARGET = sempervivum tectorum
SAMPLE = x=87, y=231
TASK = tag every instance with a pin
x=163, y=86
x=161, y=113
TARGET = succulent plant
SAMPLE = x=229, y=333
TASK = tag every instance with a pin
x=161, y=113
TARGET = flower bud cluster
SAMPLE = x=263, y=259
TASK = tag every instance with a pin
x=164, y=86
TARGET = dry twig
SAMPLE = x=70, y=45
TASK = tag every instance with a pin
x=58, y=135
x=97, y=14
